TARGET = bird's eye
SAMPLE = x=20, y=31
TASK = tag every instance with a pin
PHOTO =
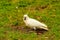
x=24, y=18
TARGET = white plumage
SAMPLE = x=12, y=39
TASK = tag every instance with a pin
x=32, y=23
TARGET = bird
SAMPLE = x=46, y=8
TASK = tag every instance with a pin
x=33, y=23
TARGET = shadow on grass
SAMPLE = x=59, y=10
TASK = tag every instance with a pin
x=27, y=30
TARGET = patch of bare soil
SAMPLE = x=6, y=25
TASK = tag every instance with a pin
x=21, y=29
x=27, y=30
x=40, y=31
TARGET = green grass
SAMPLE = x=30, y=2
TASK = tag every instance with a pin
x=10, y=15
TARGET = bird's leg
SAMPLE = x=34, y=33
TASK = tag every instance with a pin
x=34, y=28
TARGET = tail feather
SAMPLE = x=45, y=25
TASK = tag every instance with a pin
x=45, y=28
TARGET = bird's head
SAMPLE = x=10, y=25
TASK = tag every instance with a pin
x=25, y=17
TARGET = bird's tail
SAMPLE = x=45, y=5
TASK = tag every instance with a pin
x=45, y=28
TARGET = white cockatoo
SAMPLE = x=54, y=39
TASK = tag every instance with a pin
x=32, y=23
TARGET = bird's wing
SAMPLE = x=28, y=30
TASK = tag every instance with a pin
x=37, y=23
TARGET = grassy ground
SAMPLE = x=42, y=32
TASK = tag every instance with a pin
x=11, y=18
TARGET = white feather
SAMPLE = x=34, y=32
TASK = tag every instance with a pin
x=32, y=23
